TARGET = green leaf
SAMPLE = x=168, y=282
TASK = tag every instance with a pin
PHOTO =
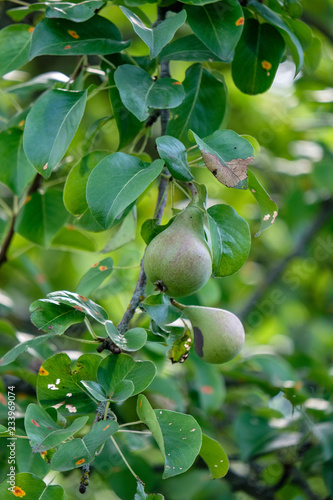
x=30, y=487
x=141, y=495
x=79, y=303
x=76, y=183
x=124, y=233
x=151, y=228
x=11, y=355
x=92, y=279
x=20, y=13
x=116, y=182
x=226, y=155
x=203, y=91
x=173, y=152
x=14, y=47
x=132, y=340
x=139, y=91
x=62, y=110
x=16, y=171
x=187, y=48
x=42, y=217
x=235, y=236
x=215, y=457
x=198, y=2
x=312, y=55
x=178, y=436
x=61, y=387
x=252, y=434
x=128, y=125
x=95, y=390
x=257, y=55
x=115, y=369
x=47, y=315
x=77, y=12
x=288, y=35
x=77, y=452
x=268, y=208
x=69, y=237
x=218, y=25
x=156, y=38
x=43, y=431
x=59, y=37
x=180, y=349
x=209, y=384
x=160, y=309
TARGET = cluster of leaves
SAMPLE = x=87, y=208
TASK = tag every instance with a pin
x=54, y=206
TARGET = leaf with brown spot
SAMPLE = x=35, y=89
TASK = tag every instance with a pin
x=227, y=155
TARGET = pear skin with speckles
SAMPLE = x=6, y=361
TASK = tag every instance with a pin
x=218, y=334
x=178, y=261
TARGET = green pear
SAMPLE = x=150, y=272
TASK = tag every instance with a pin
x=178, y=261
x=218, y=334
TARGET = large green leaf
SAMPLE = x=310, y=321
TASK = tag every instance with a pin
x=268, y=207
x=116, y=182
x=20, y=348
x=139, y=91
x=173, y=152
x=43, y=432
x=156, y=38
x=30, y=487
x=215, y=457
x=178, y=436
x=93, y=278
x=14, y=47
x=16, y=170
x=128, y=125
x=61, y=37
x=132, y=340
x=235, y=236
x=48, y=315
x=60, y=386
x=51, y=124
x=77, y=452
x=77, y=12
x=290, y=38
x=187, y=48
x=42, y=216
x=115, y=369
x=257, y=55
x=204, y=91
x=227, y=155
x=218, y=25
x=199, y=2
x=79, y=303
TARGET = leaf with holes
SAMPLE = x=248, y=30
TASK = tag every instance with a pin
x=178, y=436
x=215, y=457
x=116, y=182
x=235, y=237
x=218, y=25
x=132, y=340
x=48, y=315
x=42, y=217
x=14, y=47
x=268, y=208
x=62, y=111
x=92, y=279
x=257, y=55
x=173, y=152
x=226, y=155
x=115, y=369
x=139, y=91
x=77, y=452
x=43, y=432
x=203, y=90
x=11, y=355
x=60, y=386
x=156, y=38
x=79, y=303
x=61, y=37
x=16, y=171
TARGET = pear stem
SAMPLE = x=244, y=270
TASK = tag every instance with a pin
x=177, y=304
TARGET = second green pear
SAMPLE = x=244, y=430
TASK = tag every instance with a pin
x=178, y=261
